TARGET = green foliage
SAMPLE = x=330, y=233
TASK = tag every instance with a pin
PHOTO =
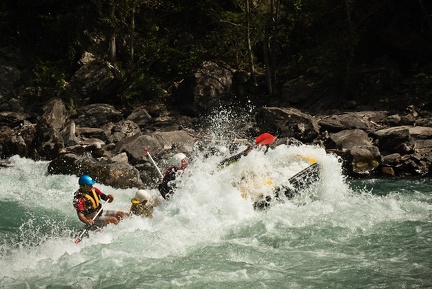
x=171, y=38
x=230, y=46
x=50, y=80
x=423, y=85
x=49, y=77
x=228, y=40
x=144, y=89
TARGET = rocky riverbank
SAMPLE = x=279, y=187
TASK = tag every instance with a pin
x=108, y=143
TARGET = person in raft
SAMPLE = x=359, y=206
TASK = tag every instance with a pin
x=178, y=163
x=263, y=139
x=87, y=203
x=141, y=204
x=235, y=158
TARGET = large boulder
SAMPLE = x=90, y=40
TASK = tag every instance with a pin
x=55, y=114
x=123, y=129
x=93, y=78
x=394, y=140
x=160, y=144
x=116, y=174
x=288, y=122
x=360, y=155
x=412, y=143
x=12, y=119
x=205, y=89
x=140, y=116
x=17, y=141
x=365, y=120
x=347, y=139
x=17, y=134
x=48, y=136
x=97, y=115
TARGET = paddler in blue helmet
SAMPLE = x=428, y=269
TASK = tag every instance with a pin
x=178, y=163
x=87, y=203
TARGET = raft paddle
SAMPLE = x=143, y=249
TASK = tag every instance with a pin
x=154, y=163
x=262, y=139
x=78, y=239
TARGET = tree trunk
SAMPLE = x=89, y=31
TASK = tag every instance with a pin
x=112, y=43
x=273, y=44
x=426, y=15
x=267, y=62
x=269, y=57
x=132, y=38
x=350, y=54
x=249, y=46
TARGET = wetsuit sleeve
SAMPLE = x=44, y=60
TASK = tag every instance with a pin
x=171, y=176
x=234, y=158
x=79, y=205
x=166, y=189
x=102, y=195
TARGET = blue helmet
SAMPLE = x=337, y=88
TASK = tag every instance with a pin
x=86, y=180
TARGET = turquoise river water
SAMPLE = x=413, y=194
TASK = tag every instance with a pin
x=340, y=234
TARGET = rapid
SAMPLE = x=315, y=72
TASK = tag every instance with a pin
x=340, y=234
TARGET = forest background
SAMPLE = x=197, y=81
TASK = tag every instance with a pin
x=360, y=52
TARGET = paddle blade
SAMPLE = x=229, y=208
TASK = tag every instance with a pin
x=265, y=139
x=78, y=238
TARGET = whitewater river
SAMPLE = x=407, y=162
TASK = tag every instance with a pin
x=340, y=234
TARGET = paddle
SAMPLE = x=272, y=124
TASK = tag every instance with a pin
x=78, y=239
x=262, y=139
x=154, y=163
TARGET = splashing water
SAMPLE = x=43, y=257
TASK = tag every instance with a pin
x=339, y=234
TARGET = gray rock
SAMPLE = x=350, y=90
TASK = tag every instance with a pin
x=288, y=122
x=116, y=174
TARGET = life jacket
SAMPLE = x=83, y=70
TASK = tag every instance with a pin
x=139, y=209
x=91, y=202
